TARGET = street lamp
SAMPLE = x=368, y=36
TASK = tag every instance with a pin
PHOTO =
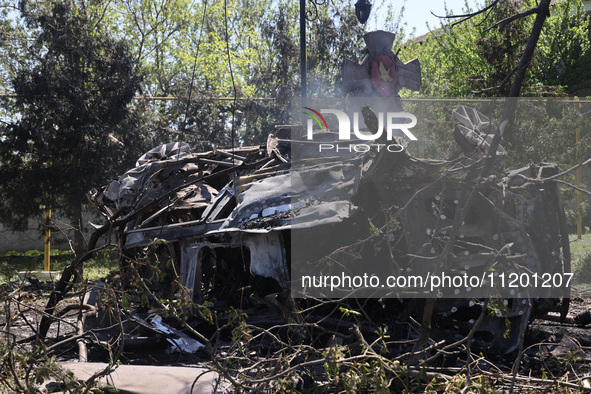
x=362, y=10
x=306, y=15
x=303, y=47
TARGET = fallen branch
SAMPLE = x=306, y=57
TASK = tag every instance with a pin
x=522, y=329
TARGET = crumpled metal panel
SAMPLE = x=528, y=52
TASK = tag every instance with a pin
x=170, y=151
x=167, y=183
x=306, y=196
x=474, y=132
x=267, y=256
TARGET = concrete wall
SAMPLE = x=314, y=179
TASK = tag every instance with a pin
x=32, y=239
x=21, y=241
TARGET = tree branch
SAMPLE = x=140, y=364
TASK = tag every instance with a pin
x=468, y=16
x=513, y=18
x=487, y=90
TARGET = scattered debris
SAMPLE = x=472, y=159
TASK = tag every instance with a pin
x=180, y=342
x=228, y=211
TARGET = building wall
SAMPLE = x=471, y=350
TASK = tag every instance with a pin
x=33, y=238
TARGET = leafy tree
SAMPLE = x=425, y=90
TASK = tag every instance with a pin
x=478, y=54
x=70, y=128
x=171, y=38
x=75, y=83
x=499, y=49
x=564, y=53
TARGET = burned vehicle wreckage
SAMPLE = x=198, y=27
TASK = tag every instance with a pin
x=239, y=218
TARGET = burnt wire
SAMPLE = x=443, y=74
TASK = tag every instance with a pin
x=233, y=125
x=193, y=71
x=184, y=124
x=233, y=131
x=233, y=128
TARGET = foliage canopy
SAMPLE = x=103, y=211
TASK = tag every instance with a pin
x=71, y=127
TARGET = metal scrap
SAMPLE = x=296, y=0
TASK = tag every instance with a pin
x=251, y=198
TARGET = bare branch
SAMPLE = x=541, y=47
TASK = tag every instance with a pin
x=487, y=90
x=522, y=330
x=513, y=18
x=554, y=177
x=469, y=15
x=587, y=192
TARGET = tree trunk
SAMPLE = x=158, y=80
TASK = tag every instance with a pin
x=79, y=240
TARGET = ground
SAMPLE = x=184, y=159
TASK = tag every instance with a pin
x=555, y=358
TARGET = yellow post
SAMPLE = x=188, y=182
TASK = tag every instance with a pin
x=47, y=246
x=579, y=218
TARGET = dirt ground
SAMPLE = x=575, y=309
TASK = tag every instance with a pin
x=553, y=351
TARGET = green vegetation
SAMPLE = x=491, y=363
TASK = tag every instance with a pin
x=179, y=48
x=469, y=58
x=94, y=269
x=73, y=95
x=581, y=260
x=75, y=67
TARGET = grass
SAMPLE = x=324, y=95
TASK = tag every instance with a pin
x=581, y=263
x=32, y=260
x=579, y=247
x=104, y=262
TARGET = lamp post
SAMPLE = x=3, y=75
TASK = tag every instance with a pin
x=306, y=15
x=303, y=47
x=362, y=10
